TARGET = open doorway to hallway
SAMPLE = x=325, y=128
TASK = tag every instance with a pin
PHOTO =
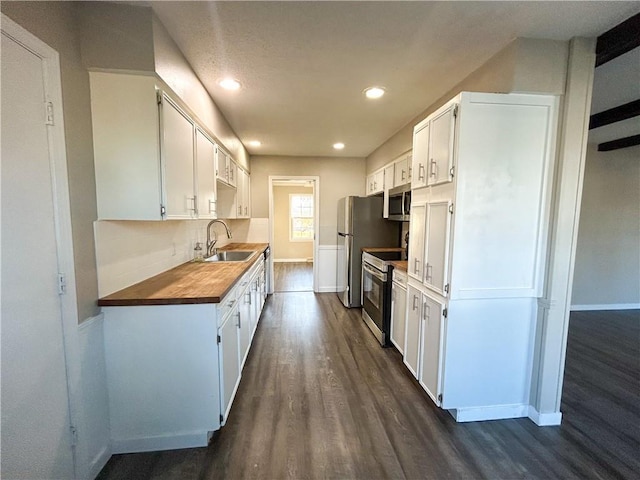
x=293, y=223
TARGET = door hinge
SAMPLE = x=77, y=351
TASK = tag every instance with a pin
x=163, y=211
x=446, y=288
x=48, y=107
x=74, y=435
x=62, y=284
x=451, y=209
x=440, y=397
x=445, y=312
x=455, y=111
x=221, y=418
x=219, y=339
x=159, y=97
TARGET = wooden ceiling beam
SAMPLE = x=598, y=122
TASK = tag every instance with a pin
x=615, y=114
x=619, y=40
x=625, y=142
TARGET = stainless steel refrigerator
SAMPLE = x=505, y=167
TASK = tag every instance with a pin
x=360, y=224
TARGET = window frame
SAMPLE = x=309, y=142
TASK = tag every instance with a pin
x=292, y=217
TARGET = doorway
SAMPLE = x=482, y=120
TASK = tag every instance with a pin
x=293, y=224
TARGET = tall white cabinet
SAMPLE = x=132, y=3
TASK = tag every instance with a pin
x=482, y=170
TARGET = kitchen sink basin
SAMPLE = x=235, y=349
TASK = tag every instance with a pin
x=231, y=256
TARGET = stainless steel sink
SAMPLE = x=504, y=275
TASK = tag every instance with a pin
x=231, y=256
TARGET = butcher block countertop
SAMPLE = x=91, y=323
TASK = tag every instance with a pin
x=400, y=264
x=191, y=282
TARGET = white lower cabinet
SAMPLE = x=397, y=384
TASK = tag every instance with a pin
x=173, y=370
x=432, y=327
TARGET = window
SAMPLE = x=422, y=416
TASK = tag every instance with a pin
x=301, y=217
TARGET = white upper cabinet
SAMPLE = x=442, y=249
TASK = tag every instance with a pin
x=375, y=182
x=441, y=140
x=402, y=171
x=420, y=160
x=243, y=194
x=226, y=168
x=177, y=152
x=152, y=161
x=206, y=175
x=388, y=185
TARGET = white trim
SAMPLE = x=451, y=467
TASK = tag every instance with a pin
x=328, y=289
x=62, y=221
x=160, y=442
x=98, y=462
x=544, y=419
x=605, y=306
x=494, y=412
x=315, y=181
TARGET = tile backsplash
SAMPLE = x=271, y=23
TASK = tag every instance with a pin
x=128, y=252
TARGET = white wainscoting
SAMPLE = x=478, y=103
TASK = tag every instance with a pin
x=94, y=433
x=326, y=268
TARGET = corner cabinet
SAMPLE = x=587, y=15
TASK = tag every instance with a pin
x=480, y=214
x=152, y=161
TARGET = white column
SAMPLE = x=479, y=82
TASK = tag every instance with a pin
x=553, y=317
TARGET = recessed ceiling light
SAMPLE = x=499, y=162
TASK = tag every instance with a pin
x=229, y=84
x=338, y=146
x=374, y=92
x=255, y=143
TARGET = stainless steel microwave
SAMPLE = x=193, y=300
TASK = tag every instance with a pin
x=400, y=203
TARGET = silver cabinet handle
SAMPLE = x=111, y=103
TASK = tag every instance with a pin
x=416, y=262
x=428, y=274
x=415, y=302
x=426, y=310
x=421, y=171
x=246, y=211
x=239, y=324
x=432, y=168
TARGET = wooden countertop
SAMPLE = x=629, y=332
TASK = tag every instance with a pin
x=191, y=282
x=382, y=249
x=400, y=264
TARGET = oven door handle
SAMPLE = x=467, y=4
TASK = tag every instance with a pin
x=380, y=276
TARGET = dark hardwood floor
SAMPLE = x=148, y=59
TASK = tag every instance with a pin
x=319, y=398
x=293, y=277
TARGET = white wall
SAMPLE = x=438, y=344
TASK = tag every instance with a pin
x=607, y=270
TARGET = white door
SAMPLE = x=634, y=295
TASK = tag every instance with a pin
x=441, y=147
x=415, y=267
x=36, y=440
x=412, y=331
x=437, y=247
x=178, y=158
x=398, y=313
x=431, y=343
x=206, y=174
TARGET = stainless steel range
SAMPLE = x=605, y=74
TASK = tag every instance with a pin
x=376, y=291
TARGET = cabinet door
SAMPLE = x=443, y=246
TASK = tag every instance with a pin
x=178, y=160
x=229, y=361
x=441, y=147
x=411, y=354
x=388, y=184
x=244, y=325
x=437, y=247
x=416, y=241
x=222, y=166
x=206, y=175
x=420, y=157
x=233, y=172
x=431, y=347
x=401, y=174
x=398, y=312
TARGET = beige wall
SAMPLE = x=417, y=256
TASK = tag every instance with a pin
x=283, y=248
x=607, y=269
x=339, y=177
x=524, y=66
x=55, y=24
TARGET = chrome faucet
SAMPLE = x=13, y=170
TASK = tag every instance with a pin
x=211, y=250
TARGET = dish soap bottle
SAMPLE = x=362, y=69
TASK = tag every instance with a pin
x=198, y=255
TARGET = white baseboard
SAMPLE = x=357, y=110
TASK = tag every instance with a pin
x=497, y=412
x=544, y=419
x=160, y=442
x=97, y=464
x=292, y=260
x=327, y=289
x=606, y=306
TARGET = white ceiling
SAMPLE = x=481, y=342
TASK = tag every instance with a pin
x=303, y=65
